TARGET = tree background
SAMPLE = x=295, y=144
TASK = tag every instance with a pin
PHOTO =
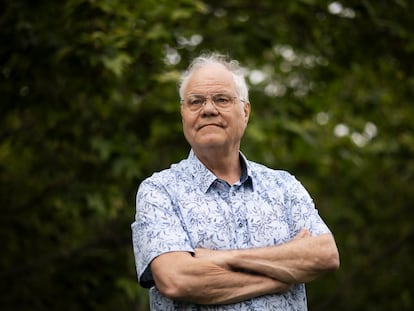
x=89, y=108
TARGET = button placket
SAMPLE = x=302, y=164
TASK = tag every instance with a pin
x=237, y=210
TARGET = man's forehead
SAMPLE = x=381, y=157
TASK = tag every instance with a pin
x=211, y=76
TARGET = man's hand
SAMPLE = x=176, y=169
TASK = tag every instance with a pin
x=304, y=233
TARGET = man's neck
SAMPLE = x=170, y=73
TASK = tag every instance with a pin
x=225, y=165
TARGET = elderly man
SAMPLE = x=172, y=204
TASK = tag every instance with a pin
x=217, y=231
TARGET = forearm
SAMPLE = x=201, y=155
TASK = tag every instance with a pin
x=199, y=281
x=222, y=287
x=298, y=261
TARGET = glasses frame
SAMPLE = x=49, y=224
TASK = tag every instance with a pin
x=205, y=98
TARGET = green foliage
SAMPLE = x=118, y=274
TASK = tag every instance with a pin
x=88, y=108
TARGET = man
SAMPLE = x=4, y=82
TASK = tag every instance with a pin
x=216, y=231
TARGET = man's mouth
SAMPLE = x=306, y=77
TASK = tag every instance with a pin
x=209, y=124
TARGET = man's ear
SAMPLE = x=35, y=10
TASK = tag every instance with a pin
x=246, y=110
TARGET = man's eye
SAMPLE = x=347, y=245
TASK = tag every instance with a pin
x=222, y=99
x=196, y=102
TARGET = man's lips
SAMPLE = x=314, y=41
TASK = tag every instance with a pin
x=209, y=124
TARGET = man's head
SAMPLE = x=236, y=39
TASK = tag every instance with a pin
x=214, y=104
x=216, y=58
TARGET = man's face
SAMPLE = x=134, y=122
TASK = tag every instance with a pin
x=210, y=128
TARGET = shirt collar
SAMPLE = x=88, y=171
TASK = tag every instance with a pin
x=246, y=177
x=205, y=178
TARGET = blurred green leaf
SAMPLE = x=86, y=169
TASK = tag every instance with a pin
x=89, y=108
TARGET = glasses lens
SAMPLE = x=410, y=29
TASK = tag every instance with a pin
x=195, y=102
x=222, y=101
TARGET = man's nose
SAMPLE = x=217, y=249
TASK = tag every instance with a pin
x=209, y=104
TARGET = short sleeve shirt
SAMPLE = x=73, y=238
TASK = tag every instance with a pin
x=186, y=207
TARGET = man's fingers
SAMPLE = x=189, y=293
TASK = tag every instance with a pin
x=304, y=233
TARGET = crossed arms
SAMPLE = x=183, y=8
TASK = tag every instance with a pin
x=230, y=276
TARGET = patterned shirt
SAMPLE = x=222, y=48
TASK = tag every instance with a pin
x=187, y=207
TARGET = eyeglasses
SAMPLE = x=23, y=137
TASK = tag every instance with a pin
x=222, y=102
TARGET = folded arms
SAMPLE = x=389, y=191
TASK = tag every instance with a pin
x=229, y=276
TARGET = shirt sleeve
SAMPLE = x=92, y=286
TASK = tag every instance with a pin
x=303, y=211
x=157, y=229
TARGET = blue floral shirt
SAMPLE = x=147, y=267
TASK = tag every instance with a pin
x=187, y=206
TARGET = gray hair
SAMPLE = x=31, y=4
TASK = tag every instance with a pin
x=216, y=58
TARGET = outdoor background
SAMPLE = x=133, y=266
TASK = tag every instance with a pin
x=89, y=108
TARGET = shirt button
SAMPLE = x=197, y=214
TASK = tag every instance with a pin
x=240, y=224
